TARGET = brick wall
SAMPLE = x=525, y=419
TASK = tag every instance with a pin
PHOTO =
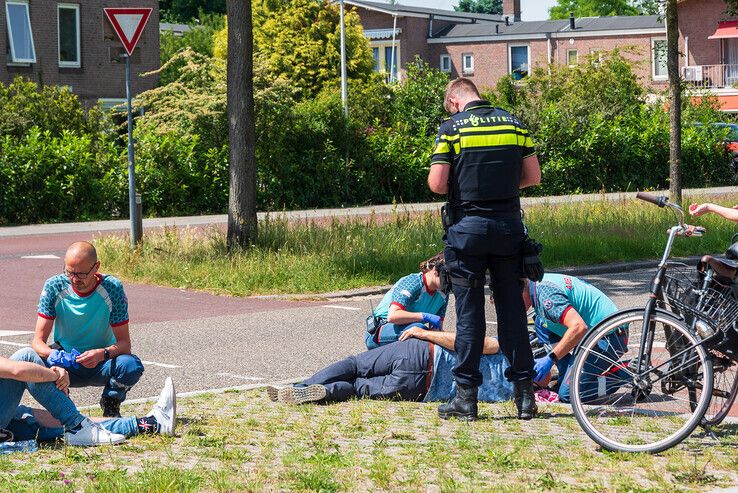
x=97, y=76
x=698, y=19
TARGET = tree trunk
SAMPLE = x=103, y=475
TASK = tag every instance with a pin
x=675, y=102
x=242, y=222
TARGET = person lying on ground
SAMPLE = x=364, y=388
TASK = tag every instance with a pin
x=60, y=418
x=729, y=213
x=88, y=313
x=417, y=367
x=414, y=301
x=566, y=308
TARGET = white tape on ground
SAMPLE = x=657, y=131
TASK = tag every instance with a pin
x=10, y=333
x=163, y=365
x=41, y=257
x=240, y=377
x=17, y=344
x=342, y=307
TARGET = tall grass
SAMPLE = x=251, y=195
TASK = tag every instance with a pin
x=344, y=254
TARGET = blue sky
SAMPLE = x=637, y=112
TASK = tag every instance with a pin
x=531, y=10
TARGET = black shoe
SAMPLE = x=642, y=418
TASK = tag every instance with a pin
x=463, y=406
x=110, y=407
x=525, y=399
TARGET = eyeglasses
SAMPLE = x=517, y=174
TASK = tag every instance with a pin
x=79, y=275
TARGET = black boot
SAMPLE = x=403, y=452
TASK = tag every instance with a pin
x=525, y=399
x=463, y=406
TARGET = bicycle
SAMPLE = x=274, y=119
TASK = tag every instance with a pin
x=676, y=368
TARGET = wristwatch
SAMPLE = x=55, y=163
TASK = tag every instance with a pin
x=106, y=352
x=553, y=357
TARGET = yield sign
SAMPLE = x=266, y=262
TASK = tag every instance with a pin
x=128, y=24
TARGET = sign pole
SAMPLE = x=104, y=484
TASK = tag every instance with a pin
x=136, y=232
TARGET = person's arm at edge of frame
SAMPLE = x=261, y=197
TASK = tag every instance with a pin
x=41, y=336
x=24, y=371
x=438, y=177
x=530, y=173
x=446, y=340
x=726, y=212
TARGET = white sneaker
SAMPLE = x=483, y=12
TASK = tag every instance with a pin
x=165, y=409
x=91, y=434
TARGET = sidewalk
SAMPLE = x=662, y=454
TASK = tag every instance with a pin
x=220, y=219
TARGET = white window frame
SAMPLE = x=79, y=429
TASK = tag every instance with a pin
x=470, y=69
x=383, y=62
x=13, y=59
x=598, y=52
x=447, y=59
x=509, y=57
x=653, y=60
x=75, y=7
x=568, y=56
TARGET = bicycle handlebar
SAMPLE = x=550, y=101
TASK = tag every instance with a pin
x=660, y=201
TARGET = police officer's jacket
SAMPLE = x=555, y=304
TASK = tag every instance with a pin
x=485, y=147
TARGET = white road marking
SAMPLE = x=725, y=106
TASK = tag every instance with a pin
x=18, y=344
x=41, y=257
x=353, y=308
x=10, y=333
x=491, y=323
x=241, y=377
x=163, y=365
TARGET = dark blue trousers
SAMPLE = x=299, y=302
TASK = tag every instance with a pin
x=475, y=244
x=395, y=371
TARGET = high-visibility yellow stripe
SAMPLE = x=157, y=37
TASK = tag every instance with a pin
x=442, y=148
x=490, y=128
x=527, y=142
x=469, y=141
x=450, y=138
x=457, y=148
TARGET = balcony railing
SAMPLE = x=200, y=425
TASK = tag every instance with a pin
x=711, y=76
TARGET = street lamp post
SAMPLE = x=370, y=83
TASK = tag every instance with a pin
x=344, y=87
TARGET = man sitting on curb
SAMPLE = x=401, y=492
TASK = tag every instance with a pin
x=416, y=368
x=26, y=371
x=89, y=314
x=566, y=308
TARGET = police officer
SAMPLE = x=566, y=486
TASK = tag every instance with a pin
x=483, y=156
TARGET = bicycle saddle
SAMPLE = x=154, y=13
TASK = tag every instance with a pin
x=723, y=267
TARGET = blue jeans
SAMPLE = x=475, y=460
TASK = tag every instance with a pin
x=25, y=426
x=117, y=375
x=473, y=245
x=599, y=377
x=52, y=399
x=388, y=333
x=393, y=371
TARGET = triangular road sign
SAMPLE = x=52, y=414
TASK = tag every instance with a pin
x=128, y=24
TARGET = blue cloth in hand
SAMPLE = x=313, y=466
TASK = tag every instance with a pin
x=433, y=320
x=542, y=366
x=63, y=358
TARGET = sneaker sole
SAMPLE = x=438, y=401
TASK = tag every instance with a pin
x=301, y=395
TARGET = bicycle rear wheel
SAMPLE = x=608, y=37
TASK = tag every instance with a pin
x=647, y=410
x=724, y=389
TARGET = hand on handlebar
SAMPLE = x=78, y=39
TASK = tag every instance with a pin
x=694, y=230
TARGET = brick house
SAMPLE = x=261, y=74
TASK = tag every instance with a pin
x=71, y=43
x=708, y=40
x=487, y=47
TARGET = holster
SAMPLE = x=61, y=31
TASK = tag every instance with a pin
x=447, y=216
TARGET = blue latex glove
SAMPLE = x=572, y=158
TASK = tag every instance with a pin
x=542, y=366
x=433, y=320
x=63, y=359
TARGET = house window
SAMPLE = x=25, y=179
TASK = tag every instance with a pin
x=445, y=64
x=382, y=52
x=467, y=63
x=658, y=59
x=68, y=29
x=572, y=58
x=595, y=56
x=519, y=60
x=20, y=36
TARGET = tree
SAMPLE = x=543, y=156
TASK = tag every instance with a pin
x=675, y=102
x=299, y=40
x=480, y=6
x=589, y=8
x=242, y=220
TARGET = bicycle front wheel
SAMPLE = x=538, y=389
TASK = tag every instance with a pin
x=650, y=406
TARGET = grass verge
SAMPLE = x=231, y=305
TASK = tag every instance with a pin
x=337, y=255
x=239, y=441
